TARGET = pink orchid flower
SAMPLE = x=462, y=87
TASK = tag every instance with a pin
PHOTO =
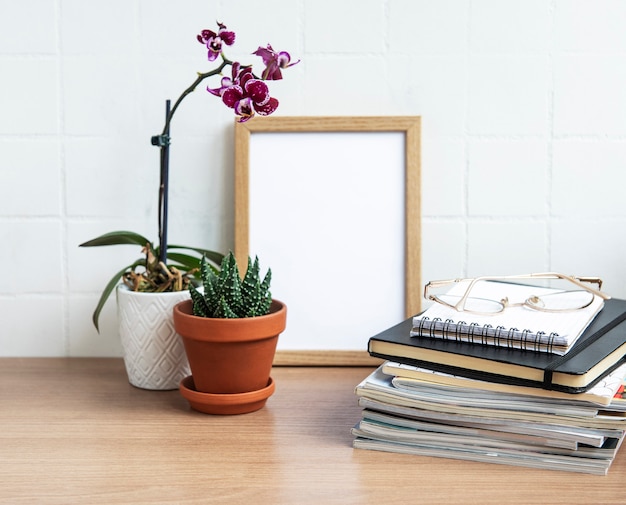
x=245, y=94
x=274, y=62
x=213, y=41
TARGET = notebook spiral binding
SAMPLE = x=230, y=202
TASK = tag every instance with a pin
x=486, y=334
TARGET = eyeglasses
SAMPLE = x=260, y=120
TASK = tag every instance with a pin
x=558, y=301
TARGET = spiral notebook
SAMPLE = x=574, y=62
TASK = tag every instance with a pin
x=599, y=350
x=515, y=327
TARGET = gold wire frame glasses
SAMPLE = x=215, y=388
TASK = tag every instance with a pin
x=558, y=301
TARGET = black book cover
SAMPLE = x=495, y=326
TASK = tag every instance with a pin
x=599, y=350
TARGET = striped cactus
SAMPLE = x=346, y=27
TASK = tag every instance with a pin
x=227, y=295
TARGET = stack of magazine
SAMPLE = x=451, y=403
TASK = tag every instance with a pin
x=548, y=396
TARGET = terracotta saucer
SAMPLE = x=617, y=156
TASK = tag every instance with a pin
x=225, y=404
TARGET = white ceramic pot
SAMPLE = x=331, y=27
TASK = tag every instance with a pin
x=154, y=354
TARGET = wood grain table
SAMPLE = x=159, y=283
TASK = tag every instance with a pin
x=73, y=430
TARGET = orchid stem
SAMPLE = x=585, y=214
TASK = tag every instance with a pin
x=163, y=142
x=191, y=89
x=164, y=189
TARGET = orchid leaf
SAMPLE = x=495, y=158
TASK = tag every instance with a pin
x=108, y=290
x=188, y=261
x=118, y=238
x=185, y=260
x=214, y=256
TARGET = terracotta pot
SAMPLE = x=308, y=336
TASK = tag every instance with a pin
x=230, y=356
x=153, y=353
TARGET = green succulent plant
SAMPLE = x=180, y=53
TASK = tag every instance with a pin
x=227, y=295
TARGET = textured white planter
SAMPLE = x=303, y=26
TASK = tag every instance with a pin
x=154, y=354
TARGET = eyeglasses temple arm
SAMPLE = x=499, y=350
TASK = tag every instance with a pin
x=460, y=306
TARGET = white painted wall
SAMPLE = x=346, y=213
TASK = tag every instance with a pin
x=524, y=135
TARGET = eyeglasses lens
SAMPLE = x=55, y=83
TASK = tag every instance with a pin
x=565, y=300
x=479, y=305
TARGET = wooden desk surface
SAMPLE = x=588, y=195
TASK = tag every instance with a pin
x=74, y=431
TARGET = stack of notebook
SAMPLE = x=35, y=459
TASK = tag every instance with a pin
x=547, y=396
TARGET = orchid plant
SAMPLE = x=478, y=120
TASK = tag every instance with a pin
x=161, y=269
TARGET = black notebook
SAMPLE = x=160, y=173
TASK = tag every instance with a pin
x=599, y=350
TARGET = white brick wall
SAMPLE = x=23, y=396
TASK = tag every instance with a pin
x=524, y=135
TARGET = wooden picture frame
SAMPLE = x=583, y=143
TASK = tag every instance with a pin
x=389, y=147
